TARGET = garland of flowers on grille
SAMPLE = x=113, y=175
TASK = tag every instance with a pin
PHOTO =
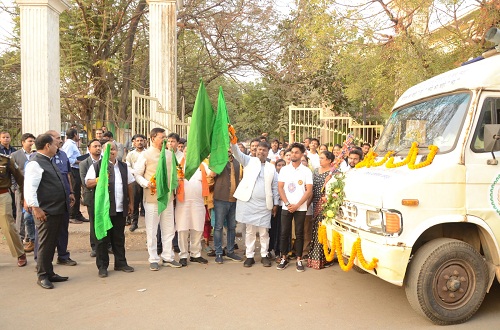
x=336, y=248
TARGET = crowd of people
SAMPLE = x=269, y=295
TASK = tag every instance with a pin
x=274, y=190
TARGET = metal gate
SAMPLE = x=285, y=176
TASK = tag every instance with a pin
x=148, y=113
x=328, y=128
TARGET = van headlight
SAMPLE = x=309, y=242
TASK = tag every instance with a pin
x=374, y=219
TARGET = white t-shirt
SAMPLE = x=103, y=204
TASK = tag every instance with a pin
x=295, y=181
x=273, y=156
x=313, y=159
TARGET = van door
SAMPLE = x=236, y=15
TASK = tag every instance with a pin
x=482, y=180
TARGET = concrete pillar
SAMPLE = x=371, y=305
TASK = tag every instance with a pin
x=163, y=57
x=40, y=79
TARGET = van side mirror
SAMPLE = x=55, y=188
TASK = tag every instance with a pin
x=492, y=137
x=492, y=141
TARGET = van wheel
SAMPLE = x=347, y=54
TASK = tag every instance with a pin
x=446, y=281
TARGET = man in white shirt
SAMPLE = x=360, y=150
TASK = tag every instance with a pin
x=274, y=152
x=95, y=150
x=46, y=198
x=295, y=184
x=313, y=153
x=145, y=169
x=139, y=142
x=355, y=156
x=121, y=203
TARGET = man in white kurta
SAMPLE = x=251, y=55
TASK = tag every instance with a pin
x=190, y=218
x=257, y=199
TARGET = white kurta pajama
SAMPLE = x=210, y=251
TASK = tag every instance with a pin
x=190, y=217
x=256, y=195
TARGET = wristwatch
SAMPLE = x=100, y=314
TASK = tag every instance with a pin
x=286, y=204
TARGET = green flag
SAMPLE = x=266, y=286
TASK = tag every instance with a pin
x=173, y=182
x=220, y=137
x=102, y=221
x=162, y=191
x=200, y=132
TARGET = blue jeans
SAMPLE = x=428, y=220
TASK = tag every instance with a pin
x=30, y=226
x=224, y=211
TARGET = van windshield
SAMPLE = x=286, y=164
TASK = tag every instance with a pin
x=435, y=121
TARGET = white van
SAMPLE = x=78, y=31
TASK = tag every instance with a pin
x=436, y=229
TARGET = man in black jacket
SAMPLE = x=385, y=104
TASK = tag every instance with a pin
x=46, y=196
x=121, y=203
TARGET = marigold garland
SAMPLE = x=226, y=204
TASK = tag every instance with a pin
x=433, y=150
x=153, y=184
x=367, y=160
x=383, y=160
x=413, y=150
x=336, y=247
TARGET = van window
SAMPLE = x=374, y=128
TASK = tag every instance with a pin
x=437, y=121
x=490, y=114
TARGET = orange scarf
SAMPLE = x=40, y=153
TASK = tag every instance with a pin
x=180, y=174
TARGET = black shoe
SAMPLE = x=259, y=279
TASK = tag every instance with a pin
x=133, y=227
x=82, y=218
x=183, y=262
x=66, y=262
x=176, y=249
x=266, y=261
x=93, y=254
x=126, y=269
x=200, y=260
x=211, y=253
x=249, y=262
x=58, y=278
x=128, y=222
x=45, y=283
x=103, y=272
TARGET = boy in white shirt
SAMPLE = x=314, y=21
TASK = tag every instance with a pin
x=295, y=185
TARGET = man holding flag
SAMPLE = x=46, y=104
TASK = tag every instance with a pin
x=156, y=172
x=113, y=201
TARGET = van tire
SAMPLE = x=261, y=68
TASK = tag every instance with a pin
x=446, y=281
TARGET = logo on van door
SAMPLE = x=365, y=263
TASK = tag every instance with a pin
x=495, y=194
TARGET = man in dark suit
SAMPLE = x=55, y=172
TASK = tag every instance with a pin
x=46, y=196
x=121, y=200
x=88, y=193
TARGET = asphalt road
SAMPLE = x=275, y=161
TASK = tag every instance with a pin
x=211, y=296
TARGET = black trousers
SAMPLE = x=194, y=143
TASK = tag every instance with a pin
x=77, y=189
x=48, y=232
x=138, y=195
x=274, y=232
x=286, y=231
x=116, y=237
x=93, y=239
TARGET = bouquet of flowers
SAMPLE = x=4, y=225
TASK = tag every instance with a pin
x=334, y=197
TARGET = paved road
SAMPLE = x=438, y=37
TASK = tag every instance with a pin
x=211, y=296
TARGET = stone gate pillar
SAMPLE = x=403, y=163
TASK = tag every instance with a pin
x=163, y=56
x=40, y=78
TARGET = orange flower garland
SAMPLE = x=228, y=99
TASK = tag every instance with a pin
x=433, y=150
x=153, y=184
x=368, y=160
x=383, y=160
x=413, y=150
x=336, y=247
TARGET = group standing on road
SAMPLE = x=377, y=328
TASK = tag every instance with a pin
x=272, y=191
